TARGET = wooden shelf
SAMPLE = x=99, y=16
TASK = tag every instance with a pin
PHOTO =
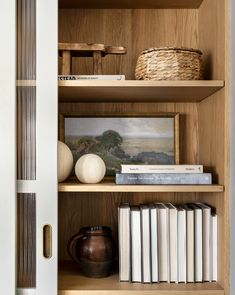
x=137, y=91
x=110, y=186
x=130, y=4
x=71, y=282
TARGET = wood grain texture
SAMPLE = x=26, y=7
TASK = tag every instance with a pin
x=97, y=63
x=137, y=91
x=211, y=37
x=77, y=210
x=130, y=4
x=72, y=282
x=83, y=49
x=112, y=187
x=61, y=127
x=134, y=29
x=228, y=181
x=213, y=122
x=26, y=241
x=66, y=62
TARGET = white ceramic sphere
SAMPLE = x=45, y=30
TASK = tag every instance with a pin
x=65, y=161
x=90, y=168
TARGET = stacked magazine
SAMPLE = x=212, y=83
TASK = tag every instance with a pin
x=167, y=243
x=163, y=174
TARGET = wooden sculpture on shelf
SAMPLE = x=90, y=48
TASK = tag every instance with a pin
x=97, y=51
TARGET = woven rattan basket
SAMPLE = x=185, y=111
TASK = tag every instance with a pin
x=169, y=63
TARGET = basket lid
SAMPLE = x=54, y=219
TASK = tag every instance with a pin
x=172, y=49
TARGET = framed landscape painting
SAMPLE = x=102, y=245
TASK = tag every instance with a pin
x=123, y=140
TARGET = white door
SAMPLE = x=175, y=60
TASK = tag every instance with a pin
x=28, y=155
x=7, y=147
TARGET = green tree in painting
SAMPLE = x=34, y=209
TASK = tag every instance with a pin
x=110, y=139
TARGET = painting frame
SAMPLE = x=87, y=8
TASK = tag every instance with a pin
x=175, y=116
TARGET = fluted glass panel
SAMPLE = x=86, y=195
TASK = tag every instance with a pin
x=26, y=133
x=26, y=90
x=26, y=241
x=26, y=39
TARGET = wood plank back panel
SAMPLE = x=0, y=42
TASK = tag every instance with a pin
x=77, y=210
x=26, y=241
x=137, y=29
x=211, y=37
x=213, y=121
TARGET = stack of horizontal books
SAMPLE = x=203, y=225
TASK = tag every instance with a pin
x=163, y=174
x=90, y=77
x=167, y=243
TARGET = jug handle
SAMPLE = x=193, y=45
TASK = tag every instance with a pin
x=71, y=246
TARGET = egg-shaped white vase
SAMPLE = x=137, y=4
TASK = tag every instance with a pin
x=65, y=161
x=90, y=168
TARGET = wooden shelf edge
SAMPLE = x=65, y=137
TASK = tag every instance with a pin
x=139, y=292
x=141, y=83
x=71, y=282
x=137, y=91
x=112, y=187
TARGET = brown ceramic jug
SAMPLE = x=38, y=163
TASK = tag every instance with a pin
x=93, y=248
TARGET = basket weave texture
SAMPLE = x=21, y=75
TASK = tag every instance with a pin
x=169, y=63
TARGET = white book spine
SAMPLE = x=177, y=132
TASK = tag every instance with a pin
x=198, y=245
x=154, y=245
x=163, y=238
x=124, y=240
x=214, y=242
x=145, y=233
x=173, y=245
x=206, y=224
x=135, y=246
x=161, y=169
x=181, y=246
x=190, y=246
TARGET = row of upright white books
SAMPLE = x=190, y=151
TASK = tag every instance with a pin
x=167, y=243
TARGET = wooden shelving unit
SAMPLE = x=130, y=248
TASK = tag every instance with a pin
x=137, y=91
x=73, y=283
x=110, y=186
x=204, y=108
